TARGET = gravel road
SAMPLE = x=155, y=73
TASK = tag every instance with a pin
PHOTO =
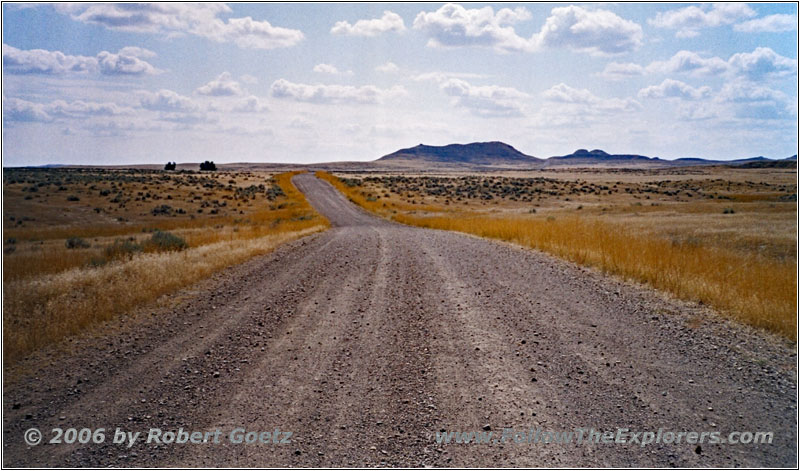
x=366, y=340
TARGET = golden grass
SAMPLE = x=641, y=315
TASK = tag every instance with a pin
x=382, y=206
x=45, y=308
x=755, y=289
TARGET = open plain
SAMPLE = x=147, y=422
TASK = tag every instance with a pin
x=369, y=338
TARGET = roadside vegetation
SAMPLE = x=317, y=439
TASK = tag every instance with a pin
x=131, y=237
x=726, y=238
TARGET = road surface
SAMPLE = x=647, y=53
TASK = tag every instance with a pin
x=366, y=340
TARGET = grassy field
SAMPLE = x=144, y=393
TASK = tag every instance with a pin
x=722, y=236
x=82, y=246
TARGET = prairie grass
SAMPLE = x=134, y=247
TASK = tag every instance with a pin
x=44, y=305
x=371, y=201
x=754, y=288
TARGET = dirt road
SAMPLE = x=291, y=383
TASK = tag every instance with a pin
x=368, y=339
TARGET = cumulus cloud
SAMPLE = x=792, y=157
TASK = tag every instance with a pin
x=320, y=93
x=40, y=61
x=389, y=22
x=587, y=101
x=15, y=109
x=689, y=20
x=754, y=101
x=769, y=24
x=744, y=92
x=691, y=63
x=453, y=25
x=330, y=69
x=175, y=19
x=621, y=71
x=224, y=85
x=597, y=32
x=250, y=104
x=762, y=62
x=675, y=89
x=485, y=100
x=122, y=64
x=387, y=68
x=167, y=100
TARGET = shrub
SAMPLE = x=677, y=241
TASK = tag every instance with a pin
x=208, y=165
x=76, y=243
x=73, y=198
x=163, y=241
x=164, y=209
x=728, y=211
x=123, y=248
x=170, y=166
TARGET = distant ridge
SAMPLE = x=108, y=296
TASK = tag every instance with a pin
x=477, y=153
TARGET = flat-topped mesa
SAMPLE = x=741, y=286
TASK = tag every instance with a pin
x=478, y=153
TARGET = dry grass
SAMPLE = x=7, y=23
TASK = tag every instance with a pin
x=42, y=306
x=687, y=247
x=756, y=291
x=371, y=200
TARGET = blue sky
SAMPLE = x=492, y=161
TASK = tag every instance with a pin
x=148, y=83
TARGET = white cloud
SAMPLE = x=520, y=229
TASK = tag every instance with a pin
x=40, y=61
x=453, y=25
x=675, y=89
x=319, y=93
x=135, y=51
x=389, y=22
x=597, y=32
x=175, y=19
x=123, y=64
x=689, y=20
x=167, y=100
x=15, y=109
x=762, y=62
x=586, y=101
x=387, y=68
x=330, y=69
x=487, y=100
x=621, y=71
x=690, y=63
x=83, y=109
x=742, y=92
x=224, y=85
x=769, y=24
x=250, y=104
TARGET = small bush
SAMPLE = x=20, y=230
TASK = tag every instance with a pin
x=77, y=243
x=123, y=248
x=166, y=241
x=728, y=211
x=73, y=198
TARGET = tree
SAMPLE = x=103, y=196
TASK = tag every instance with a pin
x=170, y=166
x=208, y=165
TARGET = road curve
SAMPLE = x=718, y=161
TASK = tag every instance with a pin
x=366, y=340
